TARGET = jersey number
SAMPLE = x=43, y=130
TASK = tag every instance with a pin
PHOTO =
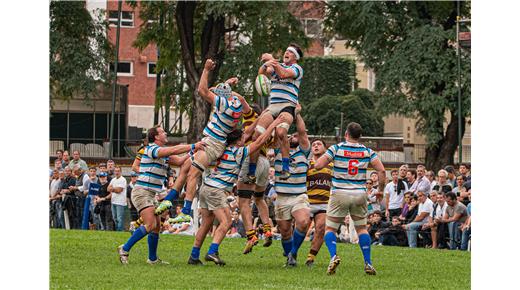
x=352, y=167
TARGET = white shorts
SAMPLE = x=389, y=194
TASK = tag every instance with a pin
x=212, y=198
x=261, y=173
x=286, y=204
x=342, y=204
x=214, y=149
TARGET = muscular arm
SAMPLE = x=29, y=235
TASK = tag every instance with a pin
x=245, y=105
x=203, y=90
x=177, y=149
x=178, y=160
x=283, y=73
x=135, y=165
x=421, y=216
x=302, y=133
x=262, y=139
x=322, y=162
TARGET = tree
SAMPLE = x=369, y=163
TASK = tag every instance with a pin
x=78, y=51
x=410, y=46
x=323, y=114
x=232, y=33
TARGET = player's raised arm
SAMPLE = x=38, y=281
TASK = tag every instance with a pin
x=283, y=73
x=245, y=105
x=203, y=89
x=302, y=131
x=262, y=139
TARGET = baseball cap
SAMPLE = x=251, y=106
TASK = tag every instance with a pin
x=103, y=174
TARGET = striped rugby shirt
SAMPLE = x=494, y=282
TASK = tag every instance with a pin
x=248, y=120
x=351, y=161
x=152, y=170
x=225, y=173
x=299, y=164
x=318, y=183
x=224, y=119
x=286, y=90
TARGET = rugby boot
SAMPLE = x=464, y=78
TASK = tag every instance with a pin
x=195, y=262
x=215, y=258
x=164, y=206
x=253, y=241
x=123, y=255
x=369, y=269
x=334, y=263
x=268, y=239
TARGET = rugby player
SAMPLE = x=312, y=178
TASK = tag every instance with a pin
x=152, y=173
x=318, y=191
x=348, y=194
x=285, y=78
x=215, y=189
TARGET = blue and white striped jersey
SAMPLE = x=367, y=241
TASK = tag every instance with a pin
x=225, y=173
x=351, y=161
x=224, y=120
x=298, y=166
x=153, y=170
x=286, y=90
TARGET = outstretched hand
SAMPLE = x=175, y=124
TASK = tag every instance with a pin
x=209, y=65
x=232, y=81
x=200, y=146
x=266, y=57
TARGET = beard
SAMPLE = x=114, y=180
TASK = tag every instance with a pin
x=293, y=144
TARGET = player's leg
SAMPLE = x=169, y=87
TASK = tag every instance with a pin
x=262, y=179
x=153, y=243
x=317, y=241
x=265, y=119
x=245, y=191
x=177, y=188
x=223, y=215
x=358, y=213
x=199, y=164
x=149, y=226
x=332, y=224
x=281, y=134
x=434, y=236
x=301, y=215
x=285, y=229
x=202, y=232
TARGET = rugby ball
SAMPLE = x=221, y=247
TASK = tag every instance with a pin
x=262, y=85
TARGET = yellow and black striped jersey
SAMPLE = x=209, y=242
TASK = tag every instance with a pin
x=140, y=153
x=318, y=183
x=248, y=119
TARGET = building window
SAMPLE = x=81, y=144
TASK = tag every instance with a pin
x=311, y=27
x=124, y=68
x=150, y=72
x=127, y=18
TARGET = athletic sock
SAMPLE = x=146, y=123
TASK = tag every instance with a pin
x=285, y=164
x=250, y=234
x=195, y=253
x=313, y=252
x=364, y=244
x=213, y=248
x=173, y=194
x=138, y=234
x=153, y=242
x=287, y=246
x=187, y=207
x=298, y=238
x=330, y=241
x=252, y=168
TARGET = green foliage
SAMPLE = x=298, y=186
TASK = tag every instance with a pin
x=88, y=259
x=332, y=76
x=410, y=47
x=78, y=51
x=323, y=114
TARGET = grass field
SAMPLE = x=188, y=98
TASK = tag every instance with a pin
x=88, y=259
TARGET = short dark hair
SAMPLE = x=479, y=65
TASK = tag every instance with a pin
x=152, y=132
x=298, y=49
x=234, y=136
x=354, y=130
x=395, y=170
x=451, y=195
x=92, y=167
x=59, y=151
x=449, y=169
x=321, y=140
x=413, y=172
x=467, y=165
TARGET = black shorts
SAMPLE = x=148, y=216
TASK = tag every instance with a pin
x=249, y=193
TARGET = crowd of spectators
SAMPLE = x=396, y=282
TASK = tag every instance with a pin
x=418, y=208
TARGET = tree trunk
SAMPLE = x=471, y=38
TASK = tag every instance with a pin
x=442, y=154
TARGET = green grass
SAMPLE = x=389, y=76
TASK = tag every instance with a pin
x=88, y=259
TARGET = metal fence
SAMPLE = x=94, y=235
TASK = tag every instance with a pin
x=419, y=153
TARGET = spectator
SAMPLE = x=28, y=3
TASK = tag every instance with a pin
x=431, y=177
x=77, y=161
x=374, y=198
x=460, y=190
x=91, y=186
x=57, y=164
x=443, y=185
x=412, y=209
x=406, y=205
x=111, y=165
x=424, y=211
x=375, y=179
x=375, y=224
x=402, y=184
x=422, y=183
x=65, y=159
x=178, y=228
x=56, y=213
x=454, y=216
x=451, y=175
x=464, y=170
x=59, y=155
x=67, y=194
x=117, y=196
x=103, y=205
x=394, y=235
x=435, y=224
x=237, y=229
x=466, y=228
x=411, y=176
x=394, y=198
x=348, y=232
x=134, y=215
x=79, y=197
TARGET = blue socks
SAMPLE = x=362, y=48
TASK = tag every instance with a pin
x=285, y=164
x=330, y=241
x=287, y=246
x=195, y=253
x=138, y=234
x=298, y=238
x=213, y=248
x=187, y=207
x=364, y=244
x=153, y=241
x=252, y=168
x=173, y=194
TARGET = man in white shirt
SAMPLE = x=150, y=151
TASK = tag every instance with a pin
x=394, y=194
x=117, y=195
x=423, y=214
x=435, y=220
x=422, y=183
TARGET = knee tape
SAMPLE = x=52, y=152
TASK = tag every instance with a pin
x=195, y=164
x=245, y=193
x=284, y=125
x=332, y=224
x=260, y=129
